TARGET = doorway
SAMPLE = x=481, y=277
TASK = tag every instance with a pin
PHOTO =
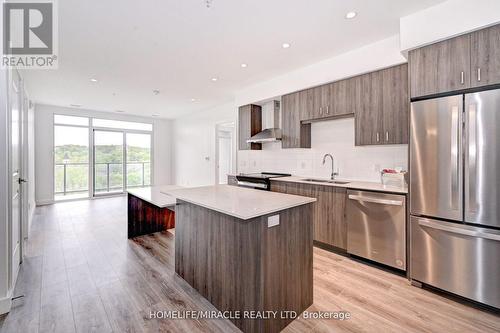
x=16, y=188
x=224, y=151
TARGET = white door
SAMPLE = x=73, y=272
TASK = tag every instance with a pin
x=15, y=169
x=225, y=155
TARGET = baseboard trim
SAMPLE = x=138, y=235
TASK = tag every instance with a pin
x=44, y=202
x=6, y=303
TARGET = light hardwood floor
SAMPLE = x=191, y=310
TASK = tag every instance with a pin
x=81, y=274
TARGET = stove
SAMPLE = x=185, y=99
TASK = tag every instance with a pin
x=260, y=181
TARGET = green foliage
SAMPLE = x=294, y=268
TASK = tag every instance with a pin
x=106, y=156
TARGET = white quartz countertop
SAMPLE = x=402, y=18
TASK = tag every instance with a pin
x=240, y=202
x=155, y=195
x=358, y=185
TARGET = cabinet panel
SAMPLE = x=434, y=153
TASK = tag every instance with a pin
x=485, y=57
x=249, y=124
x=329, y=210
x=368, y=118
x=231, y=180
x=290, y=121
x=321, y=106
x=343, y=95
x=440, y=67
x=395, y=105
x=295, y=134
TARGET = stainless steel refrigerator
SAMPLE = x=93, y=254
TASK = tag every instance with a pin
x=455, y=194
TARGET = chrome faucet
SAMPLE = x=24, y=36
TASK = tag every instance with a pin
x=333, y=174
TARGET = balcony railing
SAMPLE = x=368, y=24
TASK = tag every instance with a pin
x=108, y=176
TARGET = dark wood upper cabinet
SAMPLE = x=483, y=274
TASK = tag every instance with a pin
x=440, y=67
x=321, y=102
x=249, y=124
x=343, y=96
x=295, y=134
x=485, y=57
x=395, y=105
x=329, y=210
x=368, y=118
x=382, y=106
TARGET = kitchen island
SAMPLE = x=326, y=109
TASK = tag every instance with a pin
x=247, y=251
x=150, y=210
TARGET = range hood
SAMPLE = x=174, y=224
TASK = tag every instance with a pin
x=270, y=124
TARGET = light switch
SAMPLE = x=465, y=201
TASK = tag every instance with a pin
x=273, y=221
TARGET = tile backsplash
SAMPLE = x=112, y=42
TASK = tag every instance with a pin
x=335, y=137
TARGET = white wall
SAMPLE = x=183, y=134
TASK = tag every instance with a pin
x=44, y=139
x=384, y=53
x=194, y=141
x=445, y=20
x=335, y=137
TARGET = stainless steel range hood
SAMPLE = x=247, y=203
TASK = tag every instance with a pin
x=270, y=124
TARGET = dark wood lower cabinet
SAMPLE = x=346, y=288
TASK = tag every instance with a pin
x=329, y=211
x=145, y=218
x=245, y=265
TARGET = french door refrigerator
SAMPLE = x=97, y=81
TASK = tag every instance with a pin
x=455, y=194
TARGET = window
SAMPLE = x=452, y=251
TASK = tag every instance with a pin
x=120, y=157
x=138, y=159
x=71, y=162
x=118, y=124
x=71, y=120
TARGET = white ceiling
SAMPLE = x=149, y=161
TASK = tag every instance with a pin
x=176, y=46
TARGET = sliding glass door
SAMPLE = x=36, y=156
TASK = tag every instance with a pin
x=108, y=162
x=119, y=153
x=138, y=159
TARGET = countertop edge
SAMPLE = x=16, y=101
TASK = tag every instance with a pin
x=153, y=202
x=307, y=200
x=354, y=185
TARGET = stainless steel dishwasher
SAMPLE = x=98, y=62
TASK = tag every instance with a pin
x=376, y=227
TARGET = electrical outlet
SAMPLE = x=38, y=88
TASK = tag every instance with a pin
x=273, y=221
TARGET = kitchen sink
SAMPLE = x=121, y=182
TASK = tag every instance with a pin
x=340, y=182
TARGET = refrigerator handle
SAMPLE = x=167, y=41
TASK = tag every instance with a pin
x=458, y=230
x=455, y=157
x=472, y=155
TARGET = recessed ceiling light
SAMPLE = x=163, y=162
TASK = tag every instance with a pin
x=244, y=65
x=155, y=115
x=350, y=15
x=214, y=79
x=193, y=100
x=120, y=111
x=93, y=80
x=285, y=45
x=75, y=105
x=156, y=91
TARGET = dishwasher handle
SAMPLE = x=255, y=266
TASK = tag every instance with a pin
x=375, y=200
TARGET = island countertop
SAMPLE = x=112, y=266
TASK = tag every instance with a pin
x=243, y=203
x=155, y=195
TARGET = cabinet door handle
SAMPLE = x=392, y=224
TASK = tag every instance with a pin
x=328, y=109
x=386, y=136
x=462, y=79
x=478, y=74
x=378, y=137
x=320, y=110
